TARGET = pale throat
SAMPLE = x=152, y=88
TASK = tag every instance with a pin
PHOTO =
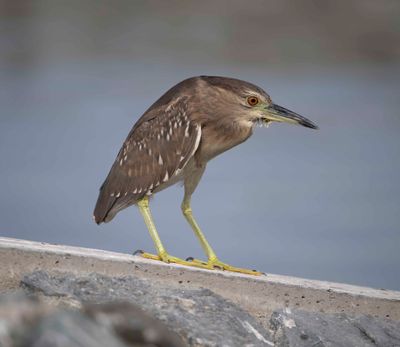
x=222, y=137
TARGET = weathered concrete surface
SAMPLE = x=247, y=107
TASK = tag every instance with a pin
x=259, y=296
x=205, y=308
x=200, y=316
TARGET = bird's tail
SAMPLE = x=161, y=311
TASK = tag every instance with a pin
x=105, y=202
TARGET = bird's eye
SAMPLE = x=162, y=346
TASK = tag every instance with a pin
x=252, y=100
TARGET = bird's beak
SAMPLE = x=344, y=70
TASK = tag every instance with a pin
x=278, y=113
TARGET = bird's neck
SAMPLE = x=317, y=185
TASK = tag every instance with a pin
x=218, y=137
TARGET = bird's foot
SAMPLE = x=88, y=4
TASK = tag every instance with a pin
x=166, y=258
x=219, y=265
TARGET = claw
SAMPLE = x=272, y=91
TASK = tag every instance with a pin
x=166, y=258
x=150, y=256
x=190, y=261
x=219, y=265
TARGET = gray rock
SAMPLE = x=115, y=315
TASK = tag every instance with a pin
x=34, y=323
x=201, y=317
x=299, y=328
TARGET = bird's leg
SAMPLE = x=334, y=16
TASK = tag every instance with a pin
x=190, y=182
x=187, y=212
x=213, y=261
x=162, y=254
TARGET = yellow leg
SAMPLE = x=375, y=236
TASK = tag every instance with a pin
x=162, y=254
x=213, y=261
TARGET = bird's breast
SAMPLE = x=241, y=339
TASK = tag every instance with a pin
x=218, y=138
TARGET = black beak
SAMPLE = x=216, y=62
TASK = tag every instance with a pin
x=280, y=114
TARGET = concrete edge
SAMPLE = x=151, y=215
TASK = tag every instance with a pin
x=42, y=247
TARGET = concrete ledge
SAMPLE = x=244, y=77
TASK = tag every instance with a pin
x=260, y=296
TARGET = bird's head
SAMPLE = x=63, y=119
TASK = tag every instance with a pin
x=249, y=104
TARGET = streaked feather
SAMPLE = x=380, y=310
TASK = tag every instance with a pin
x=153, y=152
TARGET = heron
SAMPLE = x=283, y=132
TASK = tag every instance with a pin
x=192, y=123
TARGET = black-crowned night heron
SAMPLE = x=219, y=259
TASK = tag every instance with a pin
x=173, y=141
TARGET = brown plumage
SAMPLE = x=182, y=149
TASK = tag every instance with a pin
x=169, y=134
x=156, y=149
x=190, y=124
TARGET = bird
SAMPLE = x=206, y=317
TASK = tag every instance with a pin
x=192, y=123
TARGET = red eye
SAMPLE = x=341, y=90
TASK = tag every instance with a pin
x=252, y=100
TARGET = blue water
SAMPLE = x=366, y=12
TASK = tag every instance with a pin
x=318, y=204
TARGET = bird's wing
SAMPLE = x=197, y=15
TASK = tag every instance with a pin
x=157, y=148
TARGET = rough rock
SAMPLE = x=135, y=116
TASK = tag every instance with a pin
x=200, y=317
x=297, y=328
x=96, y=310
x=29, y=322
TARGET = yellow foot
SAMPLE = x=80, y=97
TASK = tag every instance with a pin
x=219, y=265
x=166, y=258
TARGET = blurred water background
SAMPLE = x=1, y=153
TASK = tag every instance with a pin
x=75, y=76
